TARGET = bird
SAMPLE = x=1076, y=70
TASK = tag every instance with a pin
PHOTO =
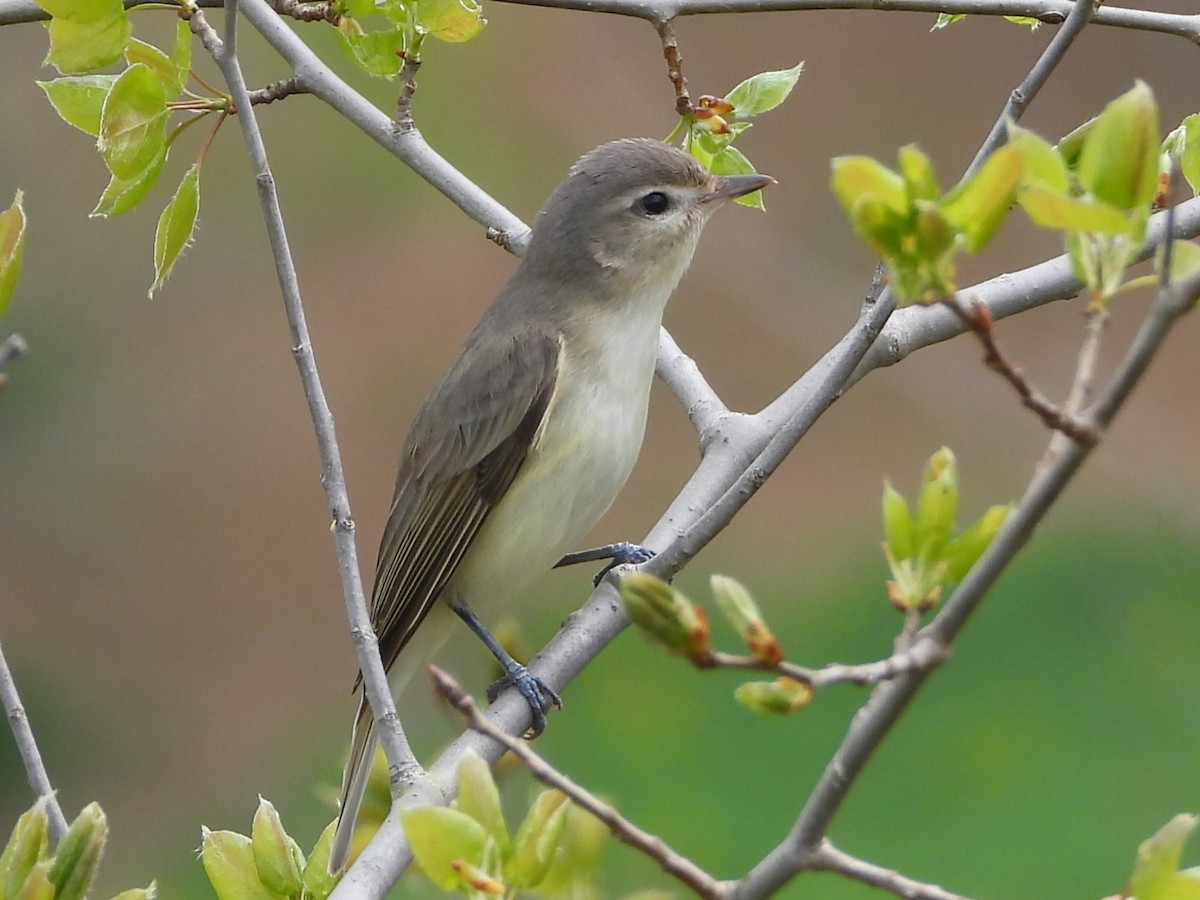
x=531, y=433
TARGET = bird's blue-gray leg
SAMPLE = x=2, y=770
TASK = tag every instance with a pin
x=539, y=695
x=622, y=553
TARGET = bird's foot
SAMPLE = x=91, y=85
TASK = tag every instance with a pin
x=539, y=695
x=622, y=553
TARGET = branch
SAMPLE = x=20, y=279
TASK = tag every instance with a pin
x=1081, y=13
x=890, y=699
x=391, y=734
x=35, y=769
x=1051, y=12
x=829, y=858
x=673, y=863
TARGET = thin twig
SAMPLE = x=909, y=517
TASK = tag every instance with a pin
x=681, y=374
x=35, y=769
x=672, y=862
x=920, y=655
x=828, y=858
x=683, y=102
x=408, y=87
x=318, y=11
x=277, y=90
x=403, y=763
x=1081, y=13
x=979, y=322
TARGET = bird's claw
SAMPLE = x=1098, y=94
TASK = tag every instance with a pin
x=623, y=554
x=539, y=695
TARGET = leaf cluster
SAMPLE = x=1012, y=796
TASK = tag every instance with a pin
x=30, y=871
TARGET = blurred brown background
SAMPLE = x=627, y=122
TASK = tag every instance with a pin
x=170, y=602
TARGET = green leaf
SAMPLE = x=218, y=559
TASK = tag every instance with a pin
x=438, y=837
x=917, y=171
x=479, y=798
x=133, y=122
x=277, y=858
x=573, y=870
x=537, y=840
x=181, y=55
x=1156, y=874
x=146, y=893
x=1189, y=158
x=123, y=194
x=165, y=69
x=86, y=35
x=962, y=552
x=78, y=99
x=359, y=9
x=1051, y=209
x=176, y=226
x=318, y=883
x=28, y=842
x=763, y=91
x=897, y=523
x=936, y=505
x=228, y=859
x=780, y=697
x=77, y=857
x=12, y=249
x=1042, y=163
x=886, y=231
x=855, y=177
x=378, y=52
x=978, y=206
x=1119, y=162
x=731, y=161
x=454, y=21
x=944, y=20
x=37, y=885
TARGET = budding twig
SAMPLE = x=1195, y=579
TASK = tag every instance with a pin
x=674, y=864
x=683, y=102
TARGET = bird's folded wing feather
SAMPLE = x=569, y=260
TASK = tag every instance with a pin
x=465, y=448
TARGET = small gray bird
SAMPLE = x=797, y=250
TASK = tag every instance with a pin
x=527, y=439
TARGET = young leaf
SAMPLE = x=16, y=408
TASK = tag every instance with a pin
x=439, y=837
x=157, y=62
x=78, y=855
x=479, y=798
x=978, y=207
x=176, y=226
x=123, y=194
x=78, y=99
x=944, y=20
x=181, y=56
x=318, y=883
x=378, y=52
x=537, y=839
x=86, y=35
x=1156, y=874
x=1042, y=163
x=133, y=122
x=1119, y=163
x=763, y=91
x=1189, y=158
x=855, y=177
x=1050, y=209
x=731, y=161
x=454, y=21
x=12, y=248
x=277, y=859
x=228, y=859
x=26, y=846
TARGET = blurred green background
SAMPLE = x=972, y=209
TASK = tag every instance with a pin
x=170, y=602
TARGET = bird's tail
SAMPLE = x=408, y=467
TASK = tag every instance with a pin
x=354, y=783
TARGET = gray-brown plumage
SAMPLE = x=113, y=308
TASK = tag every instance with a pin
x=531, y=433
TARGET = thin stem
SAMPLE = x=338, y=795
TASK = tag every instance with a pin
x=828, y=858
x=35, y=769
x=1081, y=13
x=375, y=684
x=683, y=102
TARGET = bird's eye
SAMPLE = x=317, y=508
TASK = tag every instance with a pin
x=655, y=203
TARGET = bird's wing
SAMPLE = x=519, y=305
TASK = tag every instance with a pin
x=465, y=448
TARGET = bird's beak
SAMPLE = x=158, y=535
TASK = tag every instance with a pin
x=731, y=186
